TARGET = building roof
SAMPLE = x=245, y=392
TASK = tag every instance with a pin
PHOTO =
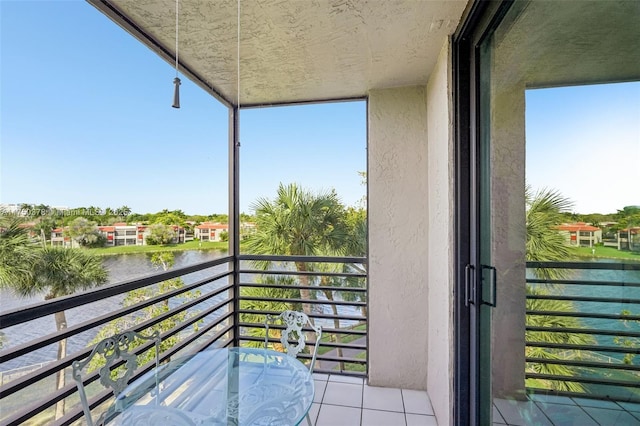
x=207, y=225
x=576, y=227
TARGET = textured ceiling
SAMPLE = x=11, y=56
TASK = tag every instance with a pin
x=549, y=44
x=294, y=50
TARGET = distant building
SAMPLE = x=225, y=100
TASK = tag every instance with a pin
x=118, y=234
x=58, y=239
x=247, y=228
x=9, y=208
x=208, y=231
x=629, y=239
x=580, y=234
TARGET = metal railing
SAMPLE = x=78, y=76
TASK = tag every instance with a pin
x=331, y=290
x=583, y=329
x=197, y=313
x=215, y=306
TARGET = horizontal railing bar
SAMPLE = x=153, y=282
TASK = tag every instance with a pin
x=313, y=302
x=585, y=315
x=322, y=316
x=582, y=395
x=582, y=282
x=595, y=331
x=326, y=330
x=28, y=347
x=306, y=259
x=305, y=287
x=41, y=309
x=340, y=345
x=345, y=331
x=338, y=359
x=332, y=358
x=585, y=265
x=593, y=348
x=302, y=273
x=246, y=338
x=581, y=363
x=620, y=300
x=341, y=372
x=592, y=380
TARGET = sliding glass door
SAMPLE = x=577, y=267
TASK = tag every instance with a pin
x=548, y=104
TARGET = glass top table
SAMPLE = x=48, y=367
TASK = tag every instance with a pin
x=230, y=386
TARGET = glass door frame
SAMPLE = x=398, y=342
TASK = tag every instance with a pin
x=471, y=407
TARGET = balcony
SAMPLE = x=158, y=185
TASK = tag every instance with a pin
x=223, y=303
x=204, y=313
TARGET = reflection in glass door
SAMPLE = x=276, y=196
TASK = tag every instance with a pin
x=557, y=208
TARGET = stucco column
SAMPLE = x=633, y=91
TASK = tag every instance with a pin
x=508, y=234
x=398, y=225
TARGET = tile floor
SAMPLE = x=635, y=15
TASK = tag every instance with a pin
x=552, y=410
x=349, y=401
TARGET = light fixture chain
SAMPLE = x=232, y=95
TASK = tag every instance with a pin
x=177, y=11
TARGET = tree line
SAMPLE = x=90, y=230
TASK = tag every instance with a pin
x=80, y=223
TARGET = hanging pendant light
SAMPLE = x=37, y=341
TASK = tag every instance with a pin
x=176, y=81
x=176, y=93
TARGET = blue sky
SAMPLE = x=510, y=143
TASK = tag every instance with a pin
x=584, y=141
x=86, y=119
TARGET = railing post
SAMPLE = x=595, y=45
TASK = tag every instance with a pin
x=234, y=213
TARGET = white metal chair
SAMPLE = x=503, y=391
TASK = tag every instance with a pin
x=294, y=322
x=113, y=349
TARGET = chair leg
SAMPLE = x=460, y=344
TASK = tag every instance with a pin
x=309, y=420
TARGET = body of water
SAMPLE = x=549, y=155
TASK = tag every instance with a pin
x=121, y=268
x=625, y=294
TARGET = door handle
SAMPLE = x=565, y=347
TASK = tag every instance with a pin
x=469, y=285
x=494, y=278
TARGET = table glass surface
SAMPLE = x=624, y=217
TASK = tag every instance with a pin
x=229, y=386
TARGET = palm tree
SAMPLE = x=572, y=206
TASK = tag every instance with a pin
x=16, y=251
x=261, y=305
x=356, y=245
x=124, y=211
x=551, y=321
x=544, y=243
x=28, y=269
x=298, y=223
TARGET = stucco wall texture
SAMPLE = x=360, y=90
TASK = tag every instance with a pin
x=398, y=224
x=440, y=267
x=411, y=267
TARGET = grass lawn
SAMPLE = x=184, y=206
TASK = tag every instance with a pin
x=190, y=245
x=607, y=252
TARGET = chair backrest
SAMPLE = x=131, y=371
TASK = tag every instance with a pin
x=294, y=322
x=114, y=349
